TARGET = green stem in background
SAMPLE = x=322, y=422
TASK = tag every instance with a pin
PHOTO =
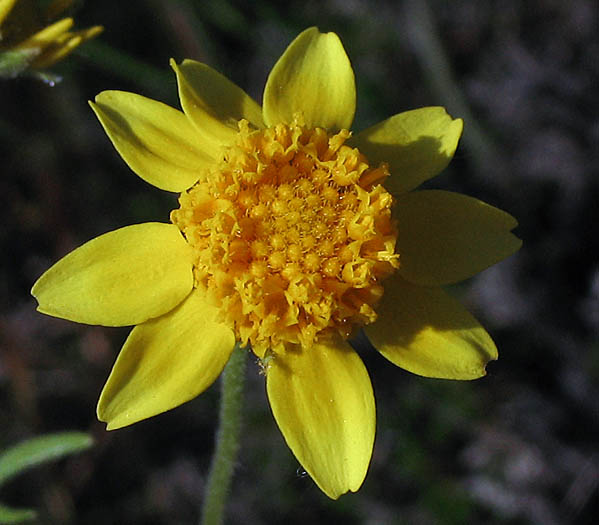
x=157, y=82
x=427, y=45
x=227, y=439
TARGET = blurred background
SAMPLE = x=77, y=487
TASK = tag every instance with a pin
x=517, y=447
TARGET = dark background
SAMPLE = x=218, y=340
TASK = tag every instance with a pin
x=517, y=447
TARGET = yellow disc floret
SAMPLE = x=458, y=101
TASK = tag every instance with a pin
x=291, y=234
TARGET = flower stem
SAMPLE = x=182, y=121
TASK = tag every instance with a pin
x=227, y=439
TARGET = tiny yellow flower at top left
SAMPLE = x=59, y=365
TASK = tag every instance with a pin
x=31, y=36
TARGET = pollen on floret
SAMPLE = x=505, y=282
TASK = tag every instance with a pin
x=291, y=234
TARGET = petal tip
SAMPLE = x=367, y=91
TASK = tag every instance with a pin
x=104, y=416
x=491, y=356
x=458, y=123
x=103, y=94
x=39, y=308
x=35, y=289
x=333, y=495
x=111, y=425
x=336, y=492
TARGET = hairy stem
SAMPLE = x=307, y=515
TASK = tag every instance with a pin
x=227, y=439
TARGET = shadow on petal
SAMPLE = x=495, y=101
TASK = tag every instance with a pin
x=156, y=141
x=416, y=144
x=426, y=331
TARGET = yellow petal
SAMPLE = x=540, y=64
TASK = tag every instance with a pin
x=313, y=77
x=166, y=362
x=64, y=45
x=426, y=331
x=5, y=8
x=416, y=144
x=47, y=35
x=156, y=141
x=322, y=400
x=214, y=103
x=447, y=237
x=60, y=48
x=121, y=278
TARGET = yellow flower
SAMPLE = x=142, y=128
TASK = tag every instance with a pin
x=26, y=28
x=284, y=240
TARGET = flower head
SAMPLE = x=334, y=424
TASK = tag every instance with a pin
x=31, y=37
x=291, y=234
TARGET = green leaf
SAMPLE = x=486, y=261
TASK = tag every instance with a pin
x=10, y=515
x=40, y=450
x=14, y=62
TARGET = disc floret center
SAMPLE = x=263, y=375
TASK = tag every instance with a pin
x=291, y=234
